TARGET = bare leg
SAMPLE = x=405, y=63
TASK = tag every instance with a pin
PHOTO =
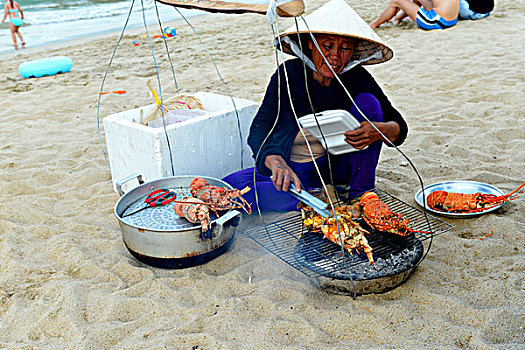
x=13, y=30
x=390, y=11
x=401, y=14
x=398, y=17
x=21, y=38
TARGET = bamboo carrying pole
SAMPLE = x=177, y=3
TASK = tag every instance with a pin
x=292, y=8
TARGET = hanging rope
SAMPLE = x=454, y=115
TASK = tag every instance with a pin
x=384, y=137
x=222, y=80
x=160, y=88
x=104, y=80
x=166, y=47
x=159, y=81
x=323, y=137
x=330, y=202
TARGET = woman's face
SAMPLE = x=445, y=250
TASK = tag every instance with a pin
x=337, y=50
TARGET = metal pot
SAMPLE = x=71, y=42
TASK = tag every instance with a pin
x=159, y=237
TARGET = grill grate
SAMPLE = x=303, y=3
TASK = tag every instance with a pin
x=314, y=255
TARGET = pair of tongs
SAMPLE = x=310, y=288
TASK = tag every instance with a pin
x=315, y=203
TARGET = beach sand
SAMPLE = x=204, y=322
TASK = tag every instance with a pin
x=68, y=281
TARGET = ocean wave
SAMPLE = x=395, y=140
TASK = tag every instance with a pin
x=77, y=13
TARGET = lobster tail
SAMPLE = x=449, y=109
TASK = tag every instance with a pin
x=342, y=231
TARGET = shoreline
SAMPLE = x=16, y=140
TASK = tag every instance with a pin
x=84, y=39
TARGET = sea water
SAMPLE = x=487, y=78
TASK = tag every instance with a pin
x=52, y=21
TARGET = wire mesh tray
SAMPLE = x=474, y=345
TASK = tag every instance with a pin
x=313, y=255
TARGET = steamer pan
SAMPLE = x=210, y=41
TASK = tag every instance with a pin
x=159, y=237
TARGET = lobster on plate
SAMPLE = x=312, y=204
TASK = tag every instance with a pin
x=380, y=217
x=219, y=198
x=195, y=211
x=350, y=234
x=468, y=203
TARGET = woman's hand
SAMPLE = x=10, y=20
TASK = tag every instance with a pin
x=367, y=134
x=282, y=174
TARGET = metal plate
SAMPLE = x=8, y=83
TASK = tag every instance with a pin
x=459, y=186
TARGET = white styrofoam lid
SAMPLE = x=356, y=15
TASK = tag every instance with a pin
x=332, y=124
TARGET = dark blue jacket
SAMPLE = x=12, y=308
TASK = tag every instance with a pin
x=280, y=142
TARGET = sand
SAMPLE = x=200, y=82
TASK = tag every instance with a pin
x=68, y=281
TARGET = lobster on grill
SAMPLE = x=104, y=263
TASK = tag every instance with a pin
x=468, y=203
x=350, y=234
x=219, y=198
x=380, y=217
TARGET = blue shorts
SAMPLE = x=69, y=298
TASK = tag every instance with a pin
x=429, y=20
x=466, y=13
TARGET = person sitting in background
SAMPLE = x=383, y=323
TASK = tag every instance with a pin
x=16, y=15
x=433, y=14
x=475, y=9
x=281, y=152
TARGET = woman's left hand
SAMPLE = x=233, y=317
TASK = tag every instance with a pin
x=367, y=134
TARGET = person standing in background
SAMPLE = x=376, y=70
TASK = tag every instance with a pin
x=16, y=15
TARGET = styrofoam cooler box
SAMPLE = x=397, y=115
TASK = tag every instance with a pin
x=207, y=145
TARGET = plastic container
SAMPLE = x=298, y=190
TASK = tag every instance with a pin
x=333, y=124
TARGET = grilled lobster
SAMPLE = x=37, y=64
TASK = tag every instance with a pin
x=351, y=233
x=468, y=203
x=219, y=198
x=195, y=211
x=380, y=217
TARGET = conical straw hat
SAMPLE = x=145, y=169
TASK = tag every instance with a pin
x=337, y=17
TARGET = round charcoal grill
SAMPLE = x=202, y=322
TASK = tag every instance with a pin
x=334, y=269
x=157, y=236
x=390, y=269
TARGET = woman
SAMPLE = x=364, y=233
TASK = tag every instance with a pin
x=281, y=151
x=428, y=14
x=16, y=15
